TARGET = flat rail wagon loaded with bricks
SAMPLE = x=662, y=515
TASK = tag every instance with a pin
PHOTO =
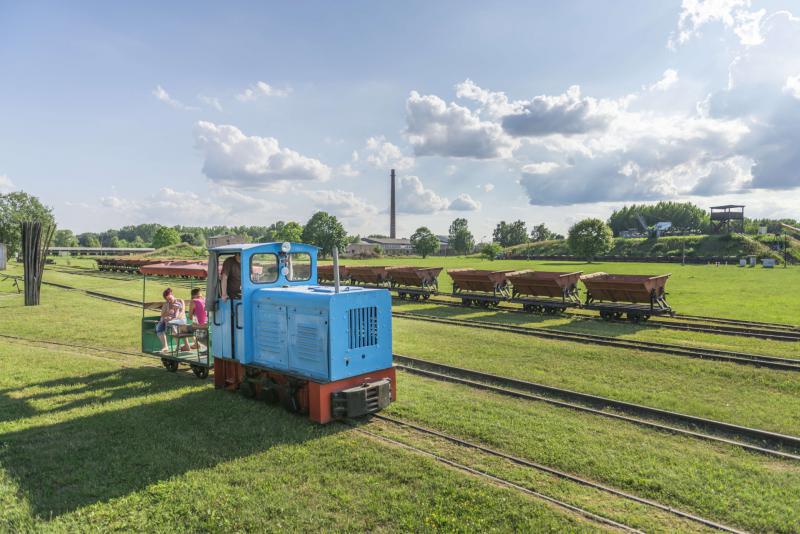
x=637, y=296
x=545, y=291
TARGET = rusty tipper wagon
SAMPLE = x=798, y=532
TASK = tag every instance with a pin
x=415, y=282
x=479, y=287
x=374, y=275
x=544, y=291
x=325, y=273
x=637, y=296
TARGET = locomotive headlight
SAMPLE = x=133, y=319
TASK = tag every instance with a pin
x=286, y=247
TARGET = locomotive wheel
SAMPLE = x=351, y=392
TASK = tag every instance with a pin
x=270, y=396
x=200, y=371
x=247, y=389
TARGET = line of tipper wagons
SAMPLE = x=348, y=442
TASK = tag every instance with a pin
x=612, y=295
x=638, y=297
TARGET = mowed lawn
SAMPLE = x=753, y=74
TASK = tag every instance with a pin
x=99, y=439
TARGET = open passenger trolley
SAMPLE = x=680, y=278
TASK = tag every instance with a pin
x=199, y=359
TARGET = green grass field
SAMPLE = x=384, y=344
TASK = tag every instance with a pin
x=96, y=440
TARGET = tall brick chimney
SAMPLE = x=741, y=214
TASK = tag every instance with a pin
x=392, y=221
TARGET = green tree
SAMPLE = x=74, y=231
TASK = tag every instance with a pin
x=541, y=232
x=86, y=238
x=589, y=238
x=165, y=237
x=491, y=250
x=508, y=235
x=424, y=242
x=15, y=208
x=324, y=231
x=64, y=238
x=461, y=239
x=684, y=216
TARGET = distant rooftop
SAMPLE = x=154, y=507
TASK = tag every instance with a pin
x=386, y=241
x=727, y=207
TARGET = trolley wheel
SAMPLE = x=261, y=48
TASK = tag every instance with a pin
x=426, y=296
x=415, y=296
x=606, y=316
x=401, y=295
x=466, y=302
x=200, y=371
x=617, y=315
x=634, y=318
x=171, y=365
x=485, y=303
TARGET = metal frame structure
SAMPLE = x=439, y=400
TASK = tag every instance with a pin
x=727, y=219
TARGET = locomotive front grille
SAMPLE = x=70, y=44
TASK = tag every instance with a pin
x=363, y=327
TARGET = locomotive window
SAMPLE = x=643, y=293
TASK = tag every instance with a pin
x=299, y=266
x=263, y=268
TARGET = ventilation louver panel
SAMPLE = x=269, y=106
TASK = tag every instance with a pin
x=363, y=327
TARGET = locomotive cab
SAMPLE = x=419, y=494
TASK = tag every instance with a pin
x=318, y=350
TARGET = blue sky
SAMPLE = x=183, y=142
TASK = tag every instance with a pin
x=245, y=113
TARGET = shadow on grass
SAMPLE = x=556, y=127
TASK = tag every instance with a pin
x=78, y=462
x=79, y=391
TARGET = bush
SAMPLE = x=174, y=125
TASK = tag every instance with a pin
x=590, y=238
x=491, y=250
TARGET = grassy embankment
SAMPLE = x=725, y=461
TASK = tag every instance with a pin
x=73, y=421
x=732, y=246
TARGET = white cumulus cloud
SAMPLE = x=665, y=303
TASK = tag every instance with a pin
x=436, y=128
x=238, y=160
x=382, y=154
x=341, y=203
x=792, y=86
x=464, y=202
x=413, y=197
x=569, y=113
x=735, y=15
x=668, y=79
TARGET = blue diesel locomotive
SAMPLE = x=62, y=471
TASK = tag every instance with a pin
x=321, y=350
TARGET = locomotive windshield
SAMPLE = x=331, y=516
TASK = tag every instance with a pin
x=263, y=268
x=299, y=264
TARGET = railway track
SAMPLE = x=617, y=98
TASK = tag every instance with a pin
x=760, y=441
x=541, y=468
x=771, y=362
x=701, y=324
x=744, y=328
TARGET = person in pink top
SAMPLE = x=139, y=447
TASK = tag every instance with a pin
x=199, y=315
